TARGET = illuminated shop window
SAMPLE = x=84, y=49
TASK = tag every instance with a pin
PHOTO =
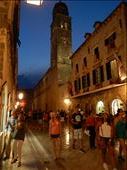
x=116, y=104
x=100, y=107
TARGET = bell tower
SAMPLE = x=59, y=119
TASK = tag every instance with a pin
x=61, y=41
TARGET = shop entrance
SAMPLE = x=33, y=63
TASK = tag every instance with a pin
x=116, y=104
x=100, y=107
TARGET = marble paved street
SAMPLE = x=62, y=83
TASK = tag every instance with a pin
x=38, y=154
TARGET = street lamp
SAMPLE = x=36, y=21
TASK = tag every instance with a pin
x=17, y=104
x=20, y=96
x=34, y=2
x=67, y=101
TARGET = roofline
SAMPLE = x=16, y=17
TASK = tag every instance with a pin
x=42, y=77
x=121, y=3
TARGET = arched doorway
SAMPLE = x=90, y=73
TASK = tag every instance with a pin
x=100, y=107
x=116, y=104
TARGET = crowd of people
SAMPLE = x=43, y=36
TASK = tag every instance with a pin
x=104, y=131
x=14, y=134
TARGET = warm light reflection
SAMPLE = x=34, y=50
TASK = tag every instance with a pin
x=123, y=77
x=34, y=2
x=67, y=137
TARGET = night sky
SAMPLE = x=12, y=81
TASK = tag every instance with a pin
x=34, y=52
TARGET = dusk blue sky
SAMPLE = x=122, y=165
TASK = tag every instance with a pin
x=34, y=52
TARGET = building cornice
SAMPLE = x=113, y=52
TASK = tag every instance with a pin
x=99, y=90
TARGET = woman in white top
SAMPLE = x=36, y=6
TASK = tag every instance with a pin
x=106, y=135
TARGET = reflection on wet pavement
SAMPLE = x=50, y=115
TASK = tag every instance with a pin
x=66, y=138
x=38, y=154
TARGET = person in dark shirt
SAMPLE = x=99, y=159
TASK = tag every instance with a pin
x=18, y=139
x=77, y=123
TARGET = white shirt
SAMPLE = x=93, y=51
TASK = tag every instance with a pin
x=105, y=130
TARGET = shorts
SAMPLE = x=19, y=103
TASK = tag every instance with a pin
x=77, y=133
x=55, y=136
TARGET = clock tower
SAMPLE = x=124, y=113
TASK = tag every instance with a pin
x=61, y=41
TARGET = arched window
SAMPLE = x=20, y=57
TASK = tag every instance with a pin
x=100, y=107
x=116, y=104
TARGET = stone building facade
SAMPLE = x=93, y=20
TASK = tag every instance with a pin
x=99, y=66
x=9, y=31
x=52, y=89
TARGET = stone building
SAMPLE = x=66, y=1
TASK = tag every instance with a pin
x=9, y=31
x=99, y=65
x=52, y=89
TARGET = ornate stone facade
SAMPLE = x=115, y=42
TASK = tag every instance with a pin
x=99, y=65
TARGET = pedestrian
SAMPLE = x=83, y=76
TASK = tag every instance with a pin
x=9, y=129
x=120, y=125
x=45, y=120
x=18, y=139
x=77, y=126
x=90, y=126
x=107, y=143
x=62, y=114
x=55, y=133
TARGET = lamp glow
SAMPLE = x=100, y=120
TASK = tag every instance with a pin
x=67, y=102
x=34, y=2
x=20, y=96
x=18, y=103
